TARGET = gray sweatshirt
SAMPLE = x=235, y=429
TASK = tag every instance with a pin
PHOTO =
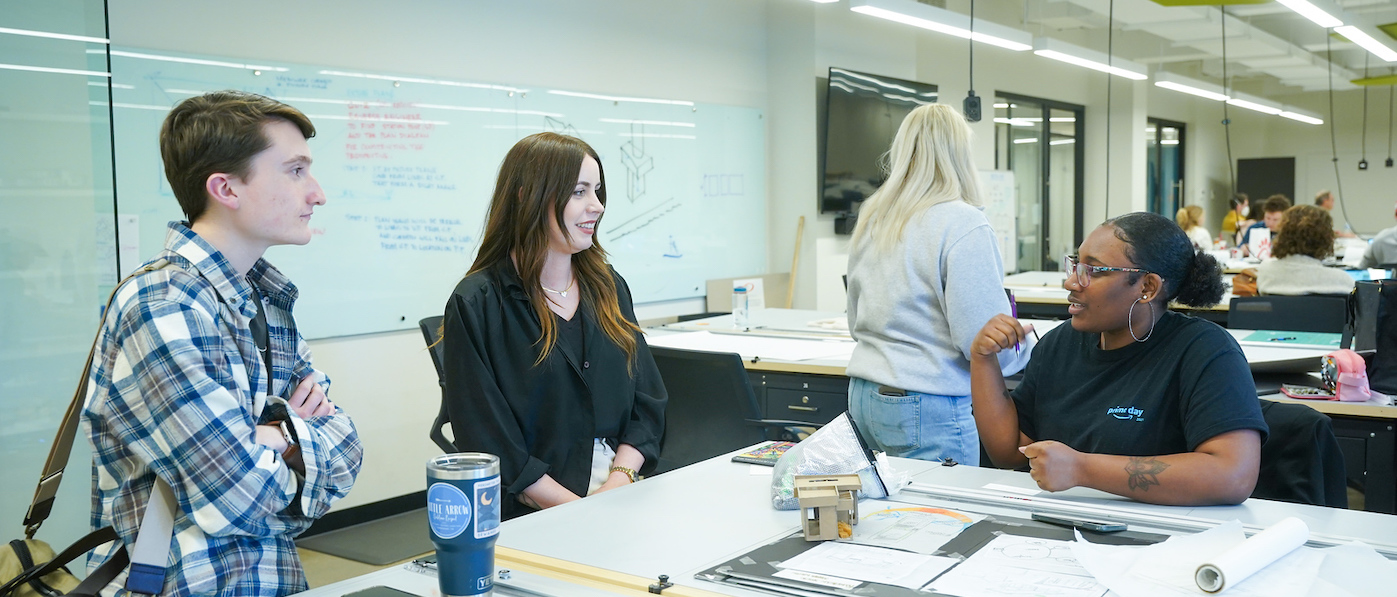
x=916, y=309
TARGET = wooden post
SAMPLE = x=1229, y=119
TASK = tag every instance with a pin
x=795, y=263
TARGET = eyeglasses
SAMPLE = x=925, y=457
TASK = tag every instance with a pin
x=1084, y=272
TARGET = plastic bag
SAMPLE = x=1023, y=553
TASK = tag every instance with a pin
x=835, y=449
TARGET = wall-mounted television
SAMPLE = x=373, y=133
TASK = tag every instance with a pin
x=862, y=113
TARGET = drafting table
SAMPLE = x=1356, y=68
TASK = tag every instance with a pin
x=687, y=520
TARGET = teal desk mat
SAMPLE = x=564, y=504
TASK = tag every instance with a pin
x=1283, y=338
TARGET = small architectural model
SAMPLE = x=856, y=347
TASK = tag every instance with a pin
x=825, y=502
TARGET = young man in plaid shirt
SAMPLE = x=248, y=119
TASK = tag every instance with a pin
x=201, y=378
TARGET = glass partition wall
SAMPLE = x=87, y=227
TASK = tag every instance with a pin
x=1040, y=142
x=57, y=241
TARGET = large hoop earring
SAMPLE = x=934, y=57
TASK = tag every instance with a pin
x=1130, y=320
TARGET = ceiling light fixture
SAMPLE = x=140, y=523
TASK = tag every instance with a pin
x=1173, y=82
x=1255, y=103
x=1314, y=13
x=50, y=35
x=931, y=18
x=1058, y=50
x=1370, y=43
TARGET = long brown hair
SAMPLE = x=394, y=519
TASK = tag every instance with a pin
x=535, y=182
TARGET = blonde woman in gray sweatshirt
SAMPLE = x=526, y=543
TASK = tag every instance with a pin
x=925, y=275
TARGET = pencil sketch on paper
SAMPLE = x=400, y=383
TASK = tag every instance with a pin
x=1011, y=565
x=918, y=529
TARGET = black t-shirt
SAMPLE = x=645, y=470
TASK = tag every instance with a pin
x=1188, y=383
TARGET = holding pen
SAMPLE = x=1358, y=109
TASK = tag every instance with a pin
x=1013, y=312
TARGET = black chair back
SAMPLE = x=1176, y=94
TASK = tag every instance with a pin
x=712, y=408
x=1308, y=313
x=1301, y=461
x=430, y=326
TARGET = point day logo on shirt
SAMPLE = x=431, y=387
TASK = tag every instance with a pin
x=1126, y=413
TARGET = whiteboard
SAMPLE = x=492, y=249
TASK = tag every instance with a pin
x=1000, y=200
x=408, y=165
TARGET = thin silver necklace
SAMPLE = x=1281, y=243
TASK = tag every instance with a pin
x=563, y=293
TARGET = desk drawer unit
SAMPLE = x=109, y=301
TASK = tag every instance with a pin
x=801, y=397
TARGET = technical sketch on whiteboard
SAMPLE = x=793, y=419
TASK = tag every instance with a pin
x=1000, y=199
x=638, y=164
x=560, y=127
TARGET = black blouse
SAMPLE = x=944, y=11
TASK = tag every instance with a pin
x=542, y=419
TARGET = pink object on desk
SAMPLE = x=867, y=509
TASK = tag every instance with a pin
x=1346, y=375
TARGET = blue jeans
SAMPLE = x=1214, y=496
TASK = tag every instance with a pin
x=922, y=426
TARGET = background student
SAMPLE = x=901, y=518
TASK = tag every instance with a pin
x=1131, y=398
x=1236, y=219
x=1190, y=219
x=1296, y=267
x=924, y=275
x=1272, y=209
x=545, y=365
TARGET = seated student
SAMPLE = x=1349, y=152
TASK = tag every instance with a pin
x=1236, y=219
x=1382, y=250
x=1274, y=207
x=1190, y=219
x=545, y=365
x=1325, y=200
x=1296, y=269
x=1131, y=398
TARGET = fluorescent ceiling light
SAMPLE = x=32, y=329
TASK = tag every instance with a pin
x=1255, y=103
x=48, y=69
x=1015, y=121
x=1312, y=12
x=1174, y=82
x=1062, y=142
x=1058, y=50
x=614, y=98
x=1025, y=140
x=1361, y=37
x=1169, y=142
x=198, y=61
x=50, y=35
x=1302, y=117
x=916, y=14
x=114, y=85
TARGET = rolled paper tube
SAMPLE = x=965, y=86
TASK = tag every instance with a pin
x=1235, y=565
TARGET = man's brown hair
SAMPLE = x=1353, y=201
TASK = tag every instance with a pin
x=1275, y=203
x=218, y=132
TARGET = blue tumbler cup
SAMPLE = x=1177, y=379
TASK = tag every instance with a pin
x=463, y=511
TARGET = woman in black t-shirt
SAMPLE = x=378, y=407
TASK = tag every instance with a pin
x=1130, y=398
x=544, y=364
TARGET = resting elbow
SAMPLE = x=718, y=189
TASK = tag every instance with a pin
x=1236, y=487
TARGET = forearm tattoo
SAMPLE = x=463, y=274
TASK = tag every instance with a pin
x=1144, y=472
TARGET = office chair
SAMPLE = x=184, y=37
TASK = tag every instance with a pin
x=429, y=326
x=712, y=408
x=1308, y=313
x=1301, y=461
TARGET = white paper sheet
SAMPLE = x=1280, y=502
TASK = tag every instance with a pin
x=1014, y=565
x=870, y=564
x=911, y=527
x=752, y=346
x=1167, y=569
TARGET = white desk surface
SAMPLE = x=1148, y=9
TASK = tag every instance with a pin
x=793, y=324
x=685, y=521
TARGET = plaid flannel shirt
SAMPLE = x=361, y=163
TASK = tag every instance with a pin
x=176, y=391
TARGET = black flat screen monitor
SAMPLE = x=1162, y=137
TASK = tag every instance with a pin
x=862, y=114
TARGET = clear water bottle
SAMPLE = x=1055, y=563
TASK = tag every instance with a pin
x=740, y=302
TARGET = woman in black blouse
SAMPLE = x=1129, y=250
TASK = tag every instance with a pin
x=545, y=365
